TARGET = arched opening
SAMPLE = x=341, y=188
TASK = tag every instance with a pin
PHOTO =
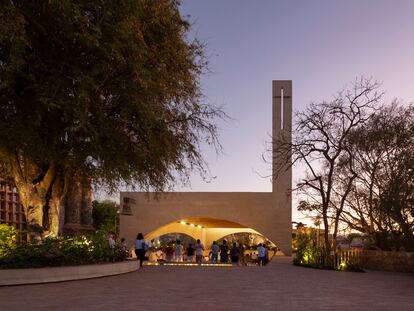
x=163, y=247
x=168, y=239
x=209, y=229
x=249, y=239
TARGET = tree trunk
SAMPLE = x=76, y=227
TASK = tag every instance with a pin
x=327, y=256
x=41, y=192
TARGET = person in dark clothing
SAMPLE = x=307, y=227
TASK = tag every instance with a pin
x=224, y=256
x=242, y=258
x=169, y=253
x=234, y=253
x=199, y=250
x=190, y=253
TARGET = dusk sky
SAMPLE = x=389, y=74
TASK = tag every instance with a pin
x=320, y=45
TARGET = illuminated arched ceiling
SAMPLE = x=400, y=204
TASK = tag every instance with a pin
x=207, y=222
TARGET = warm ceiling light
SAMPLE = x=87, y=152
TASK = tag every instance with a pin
x=183, y=222
x=192, y=225
x=199, y=226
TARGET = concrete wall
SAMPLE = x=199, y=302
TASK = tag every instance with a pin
x=388, y=261
x=256, y=210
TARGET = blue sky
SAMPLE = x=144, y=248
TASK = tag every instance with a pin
x=320, y=45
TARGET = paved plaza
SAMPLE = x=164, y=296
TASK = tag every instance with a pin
x=277, y=286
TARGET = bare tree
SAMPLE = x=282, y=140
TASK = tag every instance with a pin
x=319, y=143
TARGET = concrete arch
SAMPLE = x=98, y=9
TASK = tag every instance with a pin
x=247, y=230
x=211, y=210
x=228, y=209
x=171, y=228
x=206, y=234
x=207, y=229
x=219, y=233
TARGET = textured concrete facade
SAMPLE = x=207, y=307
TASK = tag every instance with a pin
x=268, y=213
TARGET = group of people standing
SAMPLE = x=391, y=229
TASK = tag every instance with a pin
x=219, y=253
x=178, y=252
x=222, y=252
x=236, y=252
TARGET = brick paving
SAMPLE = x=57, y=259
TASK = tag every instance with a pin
x=277, y=286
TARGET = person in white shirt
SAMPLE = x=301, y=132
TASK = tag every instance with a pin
x=140, y=246
x=178, y=252
x=199, y=251
x=111, y=241
x=262, y=254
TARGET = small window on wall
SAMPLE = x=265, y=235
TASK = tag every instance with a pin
x=129, y=200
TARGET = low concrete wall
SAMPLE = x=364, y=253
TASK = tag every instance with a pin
x=59, y=274
x=388, y=261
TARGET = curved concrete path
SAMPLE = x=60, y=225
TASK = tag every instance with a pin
x=278, y=286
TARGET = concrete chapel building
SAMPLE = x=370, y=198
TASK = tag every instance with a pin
x=209, y=216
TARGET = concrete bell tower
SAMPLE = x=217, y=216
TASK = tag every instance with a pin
x=282, y=180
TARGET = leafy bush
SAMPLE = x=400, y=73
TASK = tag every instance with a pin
x=307, y=253
x=63, y=251
x=351, y=265
x=8, y=236
x=105, y=216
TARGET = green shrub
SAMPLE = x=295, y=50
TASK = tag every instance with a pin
x=8, y=238
x=105, y=216
x=352, y=265
x=63, y=251
x=307, y=253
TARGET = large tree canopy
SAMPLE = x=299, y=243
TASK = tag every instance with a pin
x=381, y=201
x=99, y=88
